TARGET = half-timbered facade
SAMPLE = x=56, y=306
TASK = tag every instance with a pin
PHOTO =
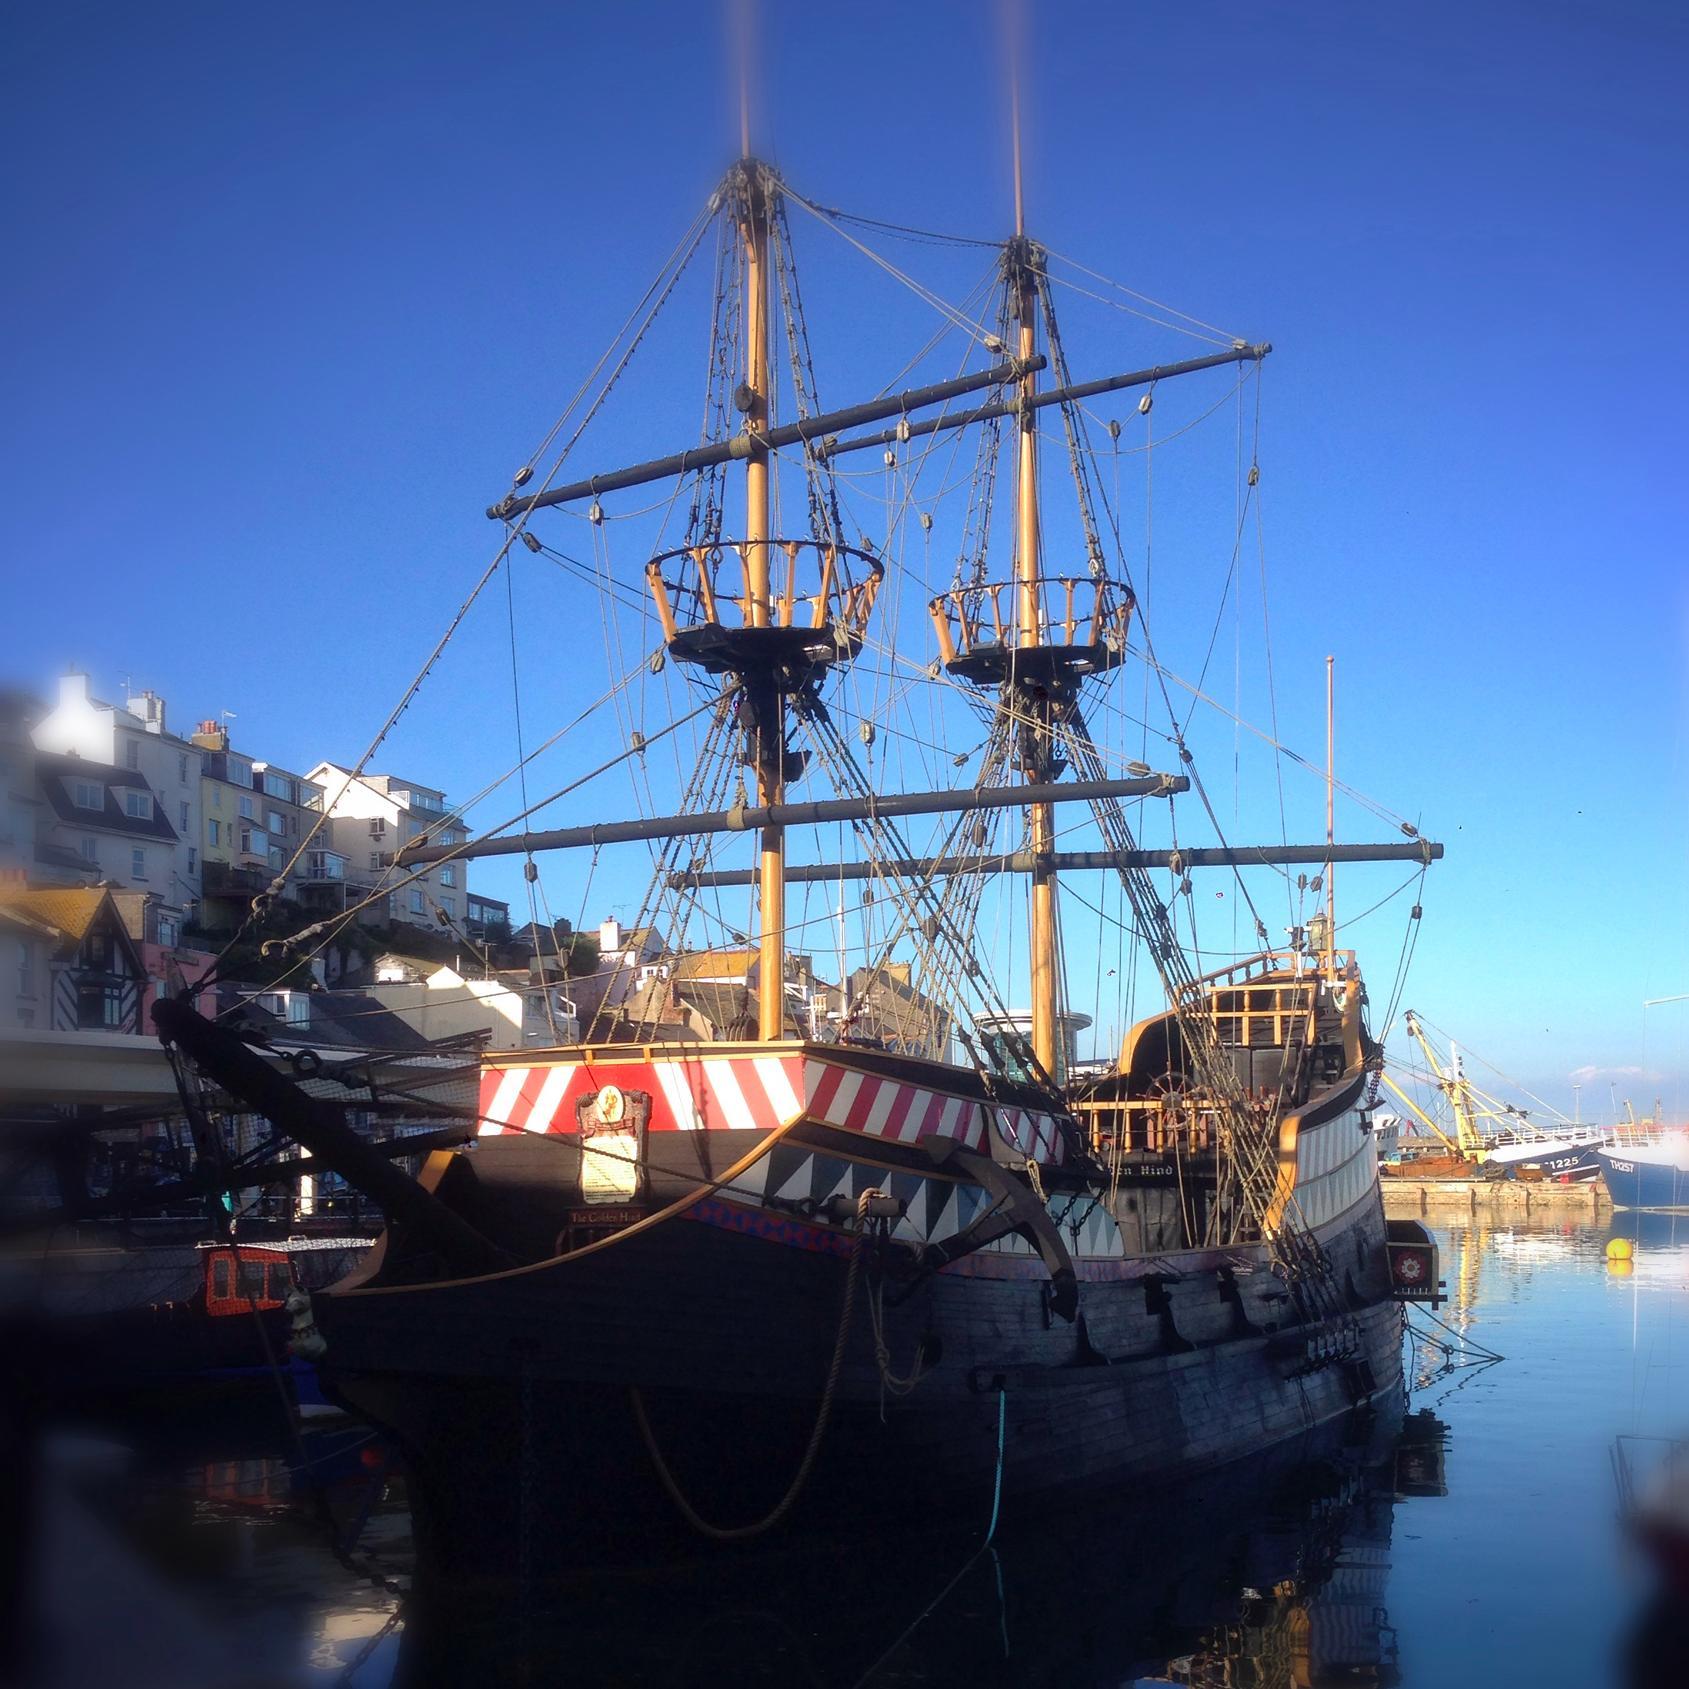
x=94, y=975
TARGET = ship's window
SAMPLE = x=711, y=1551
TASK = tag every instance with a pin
x=278, y=1282
x=220, y=1278
x=252, y=1281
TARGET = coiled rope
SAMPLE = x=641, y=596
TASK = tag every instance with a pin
x=740, y=1533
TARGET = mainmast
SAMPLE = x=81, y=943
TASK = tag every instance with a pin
x=771, y=708
x=1045, y=986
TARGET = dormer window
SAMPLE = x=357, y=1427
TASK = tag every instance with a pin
x=138, y=805
x=87, y=794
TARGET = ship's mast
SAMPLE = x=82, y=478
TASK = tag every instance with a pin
x=1330, y=809
x=1045, y=992
x=771, y=715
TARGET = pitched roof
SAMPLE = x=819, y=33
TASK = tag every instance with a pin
x=341, y=1020
x=68, y=911
x=732, y=965
x=56, y=771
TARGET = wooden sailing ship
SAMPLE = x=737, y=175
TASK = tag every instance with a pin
x=711, y=1284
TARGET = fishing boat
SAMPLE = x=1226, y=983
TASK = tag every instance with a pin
x=1496, y=1138
x=821, y=1264
x=1648, y=1173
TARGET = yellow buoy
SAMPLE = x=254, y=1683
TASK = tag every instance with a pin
x=1619, y=1267
x=1618, y=1249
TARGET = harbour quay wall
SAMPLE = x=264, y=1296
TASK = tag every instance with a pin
x=1518, y=1198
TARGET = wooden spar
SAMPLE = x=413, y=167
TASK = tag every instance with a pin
x=771, y=716
x=814, y=813
x=1040, y=816
x=812, y=430
x=227, y=1061
x=1070, y=861
x=1070, y=394
x=1330, y=797
x=818, y=432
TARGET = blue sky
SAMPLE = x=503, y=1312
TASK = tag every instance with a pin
x=295, y=293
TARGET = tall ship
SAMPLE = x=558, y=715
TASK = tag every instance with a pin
x=895, y=1246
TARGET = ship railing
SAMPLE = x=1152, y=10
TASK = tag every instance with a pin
x=1091, y=611
x=1160, y=1125
x=1263, y=1013
x=1300, y=964
x=816, y=584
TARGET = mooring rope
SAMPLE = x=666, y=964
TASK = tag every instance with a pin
x=740, y=1533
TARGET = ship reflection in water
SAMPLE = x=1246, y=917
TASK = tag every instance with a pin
x=1495, y=1549
x=1273, y=1573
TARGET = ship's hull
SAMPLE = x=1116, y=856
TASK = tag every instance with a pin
x=514, y=1396
x=1646, y=1176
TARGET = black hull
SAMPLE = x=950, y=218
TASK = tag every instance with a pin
x=511, y=1395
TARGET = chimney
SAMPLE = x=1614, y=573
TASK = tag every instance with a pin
x=211, y=736
x=609, y=937
x=150, y=708
x=73, y=688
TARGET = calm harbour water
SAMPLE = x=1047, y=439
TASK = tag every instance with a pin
x=1476, y=1542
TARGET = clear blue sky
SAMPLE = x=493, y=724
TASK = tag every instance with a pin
x=293, y=293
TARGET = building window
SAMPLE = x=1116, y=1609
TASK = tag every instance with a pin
x=138, y=864
x=276, y=823
x=392, y=903
x=449, y=904
x=91, y=850
x=419, y=905
x=26, y=968
x=169, y=931
x=85, y=794
x=247, y=812
x=246, y=841
x=132, y=753
x=448, y=874
x=99, y=1006
x=99, y=950
x=378, y=859
x=182, y=767
x=277, y=860
x=378, y=828
x=138, y=805
x=184, y=814
x=213, y=832
x=193, y=860
x=216, y=797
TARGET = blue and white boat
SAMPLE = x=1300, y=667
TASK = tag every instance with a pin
x=1648, y=1175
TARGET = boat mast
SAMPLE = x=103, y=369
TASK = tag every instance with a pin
x=771, y=729
x=1330, y=810
x=1045, y=994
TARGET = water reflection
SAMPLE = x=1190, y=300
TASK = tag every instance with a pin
x=1271, y=1573
x=1475, y=1542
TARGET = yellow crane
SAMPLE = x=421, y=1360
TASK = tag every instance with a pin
x=1468, y=1142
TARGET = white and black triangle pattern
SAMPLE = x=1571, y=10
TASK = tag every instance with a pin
x=936, y=1209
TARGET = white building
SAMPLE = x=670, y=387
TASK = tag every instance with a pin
x=120, y=797
x=513, y=1009
x=371, y=816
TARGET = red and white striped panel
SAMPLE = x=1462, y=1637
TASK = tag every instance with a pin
x=745, y=1092
x=722, y=1092
x=892, y=1109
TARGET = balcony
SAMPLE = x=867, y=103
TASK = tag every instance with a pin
x=236, y=879
x=325, y=865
